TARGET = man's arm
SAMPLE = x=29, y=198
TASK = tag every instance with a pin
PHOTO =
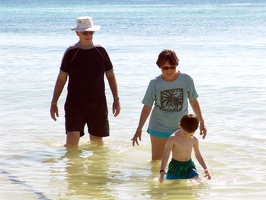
x=59, y=86
x=114, y=89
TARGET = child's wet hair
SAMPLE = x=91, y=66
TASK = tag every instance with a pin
x=189, y=123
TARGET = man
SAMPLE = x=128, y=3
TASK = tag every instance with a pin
x=85, y=65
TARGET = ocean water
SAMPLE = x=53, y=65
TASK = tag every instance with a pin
x=221, y=44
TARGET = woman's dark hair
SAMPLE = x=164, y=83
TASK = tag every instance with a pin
x=167, y=55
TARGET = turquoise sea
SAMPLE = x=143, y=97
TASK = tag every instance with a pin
x=221, y=44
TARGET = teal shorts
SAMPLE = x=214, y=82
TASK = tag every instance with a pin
x=159, y=134
x=181, y=170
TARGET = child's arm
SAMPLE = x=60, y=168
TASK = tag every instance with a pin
x=166, y=154
x=200, y=159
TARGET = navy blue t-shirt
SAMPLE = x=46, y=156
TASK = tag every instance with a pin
x=85, y=67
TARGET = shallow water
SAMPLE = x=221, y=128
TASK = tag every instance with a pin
x=221, y=45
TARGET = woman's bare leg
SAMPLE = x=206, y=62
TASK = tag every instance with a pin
x=157, y=147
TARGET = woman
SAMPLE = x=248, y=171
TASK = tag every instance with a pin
x=170, y=93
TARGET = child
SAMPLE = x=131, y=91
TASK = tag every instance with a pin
x=181, y=143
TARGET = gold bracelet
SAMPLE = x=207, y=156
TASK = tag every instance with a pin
x=54, y=103
x=139, y=129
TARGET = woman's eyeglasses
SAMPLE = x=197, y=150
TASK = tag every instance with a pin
x=166, y=68
x=87, y=32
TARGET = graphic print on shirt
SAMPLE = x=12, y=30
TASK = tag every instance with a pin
x=172, y=100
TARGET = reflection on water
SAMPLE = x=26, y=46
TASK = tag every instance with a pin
x=94, y=171
x=185, y=189
x=87, y=172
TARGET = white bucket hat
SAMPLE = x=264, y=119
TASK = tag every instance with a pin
x=85, y=24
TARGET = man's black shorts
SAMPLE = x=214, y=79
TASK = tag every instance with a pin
x=94, y=114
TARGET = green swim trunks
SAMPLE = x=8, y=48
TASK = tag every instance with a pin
x=181, y=170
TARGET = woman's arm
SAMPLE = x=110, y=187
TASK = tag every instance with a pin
x=196, y=108
x=143, y=117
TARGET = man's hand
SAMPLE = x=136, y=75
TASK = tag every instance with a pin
x=116, y=107
x=54, y=111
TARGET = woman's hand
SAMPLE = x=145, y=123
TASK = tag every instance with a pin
x=136, y=137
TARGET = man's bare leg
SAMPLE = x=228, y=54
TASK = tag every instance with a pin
x=72, y=138
x=96, y=139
